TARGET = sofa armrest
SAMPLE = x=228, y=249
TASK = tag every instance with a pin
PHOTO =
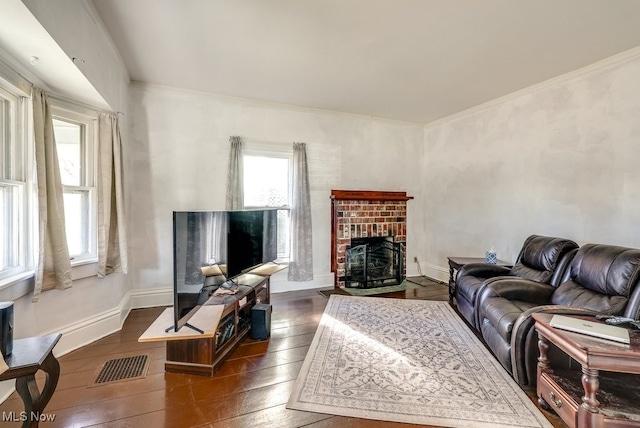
x=512, y=288
x=524, y=341
x=483, y=270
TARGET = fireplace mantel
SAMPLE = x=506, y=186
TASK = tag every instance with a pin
x=368, y=195
x=362, y=213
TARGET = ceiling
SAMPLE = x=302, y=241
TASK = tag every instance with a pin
x=410, y=60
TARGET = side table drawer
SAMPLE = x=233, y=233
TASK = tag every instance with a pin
x=558, y=400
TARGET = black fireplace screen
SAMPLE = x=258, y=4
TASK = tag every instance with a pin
x=376, y=263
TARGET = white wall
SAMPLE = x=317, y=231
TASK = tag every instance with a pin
x=560, y=159
x=178, y=159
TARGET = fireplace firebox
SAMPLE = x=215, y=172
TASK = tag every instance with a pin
x=373, y=262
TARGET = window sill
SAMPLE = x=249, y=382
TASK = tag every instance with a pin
x=14, y=287
x=14, y=279
x=84, y=269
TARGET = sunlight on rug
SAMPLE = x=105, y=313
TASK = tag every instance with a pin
x=411, y=361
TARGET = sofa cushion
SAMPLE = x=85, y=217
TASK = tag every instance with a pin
x=540, y=256
x=600, y=278
x=606, y=269
x=575, y=295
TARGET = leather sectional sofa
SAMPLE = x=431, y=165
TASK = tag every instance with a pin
x=592, y=279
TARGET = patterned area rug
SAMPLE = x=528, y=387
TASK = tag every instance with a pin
x=411, y=361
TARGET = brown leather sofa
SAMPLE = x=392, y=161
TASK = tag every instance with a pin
x=542, y=259
x=599, y=279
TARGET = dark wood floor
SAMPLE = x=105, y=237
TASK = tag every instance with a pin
x=250, y=389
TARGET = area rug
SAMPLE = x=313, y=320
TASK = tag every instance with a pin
x=411, y=361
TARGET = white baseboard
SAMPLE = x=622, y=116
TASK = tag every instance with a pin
x=427, y=269
x=280, y=284
x=84, y=332
x=151, y=297
x=437, y=272
x=88, y=330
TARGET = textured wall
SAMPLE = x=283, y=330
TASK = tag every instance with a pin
x=561, y=159
x=178, y=161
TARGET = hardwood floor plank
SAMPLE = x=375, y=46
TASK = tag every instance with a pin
x=276, y=416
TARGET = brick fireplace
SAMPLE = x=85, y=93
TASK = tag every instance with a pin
x=360, y=214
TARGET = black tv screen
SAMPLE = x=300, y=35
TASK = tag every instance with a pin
x=252, y=240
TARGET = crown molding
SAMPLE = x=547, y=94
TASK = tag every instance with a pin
x=607, y=63
x=271, y=104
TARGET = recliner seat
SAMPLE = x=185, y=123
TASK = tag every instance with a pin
x=538, y=260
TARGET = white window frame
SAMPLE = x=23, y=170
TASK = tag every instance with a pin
x=16, y=179
x=279, y=154
x=18, y=173
x=88, y=120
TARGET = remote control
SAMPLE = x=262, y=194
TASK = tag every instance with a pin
x=618, y=320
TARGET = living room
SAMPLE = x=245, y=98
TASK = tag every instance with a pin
x=556, y=157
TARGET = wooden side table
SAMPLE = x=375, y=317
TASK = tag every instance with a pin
x=28, y=356
x=604, y=392
x=456, y=263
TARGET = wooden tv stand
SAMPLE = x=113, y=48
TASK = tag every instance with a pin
x=203, y=354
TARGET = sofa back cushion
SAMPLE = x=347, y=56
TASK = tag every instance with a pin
x=601, y=278
x=539, y=258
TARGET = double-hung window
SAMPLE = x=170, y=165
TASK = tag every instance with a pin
x=75, y=143
x=14, y=219
x=267, y=184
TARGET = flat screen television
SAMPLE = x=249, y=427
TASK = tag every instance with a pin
x=211, y=249
x=251, y=241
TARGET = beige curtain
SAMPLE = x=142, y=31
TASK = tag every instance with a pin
x=53, y=268
x=301, y=263
x=112, y=237
x=235, y=181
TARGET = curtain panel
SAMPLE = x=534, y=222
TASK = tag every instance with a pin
x=301, y=263
x=53, y=267
x=235, y=171
x=112, y=236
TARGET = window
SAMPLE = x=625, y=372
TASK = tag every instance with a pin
x=75, y=132
x=13, y=186
x=75, y=135
x=267, y=183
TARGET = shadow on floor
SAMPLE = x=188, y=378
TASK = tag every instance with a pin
x=420, y=280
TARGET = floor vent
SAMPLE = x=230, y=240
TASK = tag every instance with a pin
x=123, y=369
